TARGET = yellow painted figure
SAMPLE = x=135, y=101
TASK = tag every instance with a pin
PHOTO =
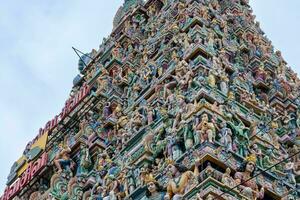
x=180, y=180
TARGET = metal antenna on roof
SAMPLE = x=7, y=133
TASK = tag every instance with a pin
x=80, y=57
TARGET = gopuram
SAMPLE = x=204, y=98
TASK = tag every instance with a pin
x=185, y=99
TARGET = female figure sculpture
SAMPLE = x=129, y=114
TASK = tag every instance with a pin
x=154, y=190
x=248, y=186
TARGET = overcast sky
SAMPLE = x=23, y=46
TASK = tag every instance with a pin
x=37, y=64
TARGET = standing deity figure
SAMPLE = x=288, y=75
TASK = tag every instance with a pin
x=180, y=180
x=211, y=79
x=85, y=160
x=248, y=186
x=116, y=51
x=224, y=83
x=206, y=130
x=102, y=84
x=188, y=135
x=289, y=170
x=211, y=42
x=130, y=180
x=226, y=136
x=173, y=150
x=179, y=110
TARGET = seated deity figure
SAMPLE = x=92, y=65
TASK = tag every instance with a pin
x=249, y=187
x=206, y=130
x=102, y=160
x=62, y=159
x=261, y=74
x=227, y=179
x=180, y=180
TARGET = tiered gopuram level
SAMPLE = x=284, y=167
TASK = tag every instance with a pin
x=186, y=99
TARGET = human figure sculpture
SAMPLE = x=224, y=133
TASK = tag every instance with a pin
x=102, y=161
x=107, y=111
x=116, y=51
x=85, y=160
x=211, y=79
x=224, y=83
x=206, y=130
x=188, y=135
x=179, y=110
x=130, y=182
x=211, y=42
x=290, y=172
x=255, y=150
x=260, y=74
x=154, y=190
x=180, y=179
x=226, y=136
x=62, y=159
x=248, y=186
x=227, y=179
x=173, y=150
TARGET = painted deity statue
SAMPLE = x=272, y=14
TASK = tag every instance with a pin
x=227, y=179
x=102, y=82
x=261, y=74
x=211, y=79
x=180, y=179
x=116, y=52
x=206, y=130
x=226, y=136
x=130, y=182
x=289, y=170
x=62, y=160
x=224, y=80
x=173, y=149
x=249, y=188
x=188, y=135
x=85, y=160
x=154, y=190
x=102, y=161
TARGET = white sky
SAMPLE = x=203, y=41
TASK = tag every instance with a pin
x=37, y=64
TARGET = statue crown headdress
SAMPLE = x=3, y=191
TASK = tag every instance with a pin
x=170, y=161
x=251, y=158
x=150, y=179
